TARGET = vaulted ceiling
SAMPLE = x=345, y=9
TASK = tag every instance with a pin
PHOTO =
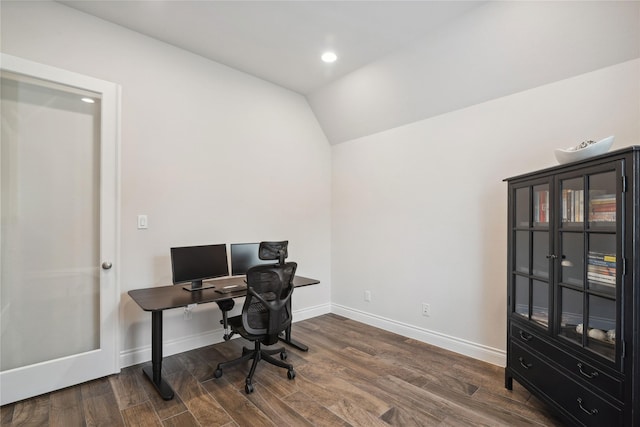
x=282, y=41
x=398, y=61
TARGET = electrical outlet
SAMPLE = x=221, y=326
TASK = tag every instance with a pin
x=426, y=309
x=367, y=296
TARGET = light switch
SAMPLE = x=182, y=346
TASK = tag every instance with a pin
x=143, y=223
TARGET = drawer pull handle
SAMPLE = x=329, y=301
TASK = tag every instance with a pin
x=585, y=410
x=591, y=375
x=525, y=337
x=523, y=364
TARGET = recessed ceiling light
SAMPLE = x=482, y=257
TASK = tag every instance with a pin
x=329, y=57
x=88, y=100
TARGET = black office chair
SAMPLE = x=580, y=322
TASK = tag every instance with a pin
x=265, y=314
x=276, y=251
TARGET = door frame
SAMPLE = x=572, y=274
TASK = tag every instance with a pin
x=33, y=380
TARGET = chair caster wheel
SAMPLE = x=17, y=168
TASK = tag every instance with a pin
x=291, y=374
x=217, y=373
x=248, y=388
x=283, y=355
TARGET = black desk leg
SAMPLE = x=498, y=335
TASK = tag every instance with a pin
x=290, y=341
x=154, y=372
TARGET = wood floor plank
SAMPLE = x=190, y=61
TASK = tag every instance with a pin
x=66, y=409
x=208, y=412
x=464, y=407
x=6, y=414
x=534, y=414
x=99, y=411
x=355, y=414
x=164, y=408
x=313, y=411
x=402, y=411
x=405, y=417
x=67, y=417
x=196, y=398
x=196, y=365
x=337, y=337
x=277, y=383
x=127, y=388
x=401, y=408
x=142, y=415
x=236, y=404
x=185, y=419
x=65, y=398
x=275, y=409
x=432, y=403
x=31, y=412
x=488, y=377
x=185, y=385
x=96, y=388
x=320, y=375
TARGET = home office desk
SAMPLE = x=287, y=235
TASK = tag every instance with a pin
x=158, y=299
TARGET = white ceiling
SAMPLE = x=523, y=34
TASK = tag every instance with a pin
x=281, y=41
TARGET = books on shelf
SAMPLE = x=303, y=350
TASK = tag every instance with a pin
x=572, y=205
x=602, y=208
x=541, y=206
x=601, y=268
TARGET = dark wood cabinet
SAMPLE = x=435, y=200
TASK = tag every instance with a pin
x=573, y=288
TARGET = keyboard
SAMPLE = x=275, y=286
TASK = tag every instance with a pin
x=231, y=288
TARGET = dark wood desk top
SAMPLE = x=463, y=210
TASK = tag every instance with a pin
x=173, y=296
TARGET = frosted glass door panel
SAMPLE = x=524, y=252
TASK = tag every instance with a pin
x=50, y=240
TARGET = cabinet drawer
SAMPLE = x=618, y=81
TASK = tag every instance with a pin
x=591, y=376
x=530, y=339
x=583, y=404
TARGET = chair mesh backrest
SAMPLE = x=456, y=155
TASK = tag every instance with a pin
x=266, y=310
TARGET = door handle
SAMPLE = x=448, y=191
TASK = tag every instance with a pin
x=106, y=265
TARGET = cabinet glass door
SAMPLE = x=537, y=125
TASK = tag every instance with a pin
x=530, y=272
x=589, y=245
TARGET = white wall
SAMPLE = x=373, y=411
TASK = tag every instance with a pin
x=419, y=211
x=497, y=49
x=210, y=154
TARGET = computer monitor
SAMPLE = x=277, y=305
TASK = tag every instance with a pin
x=244, y=256
x=197, y=263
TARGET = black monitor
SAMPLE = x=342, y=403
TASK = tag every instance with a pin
x=197, y=263
x=244, y=256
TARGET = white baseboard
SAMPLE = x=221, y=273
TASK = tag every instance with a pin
x=477, y=351
x=311, y=312
x=458, y=345
x=191, y=342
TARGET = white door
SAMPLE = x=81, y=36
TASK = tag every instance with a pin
x=58, y=242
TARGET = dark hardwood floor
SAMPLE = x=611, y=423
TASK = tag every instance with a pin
x=353, y=375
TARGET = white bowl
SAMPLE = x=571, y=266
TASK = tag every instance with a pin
x=573, y=154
